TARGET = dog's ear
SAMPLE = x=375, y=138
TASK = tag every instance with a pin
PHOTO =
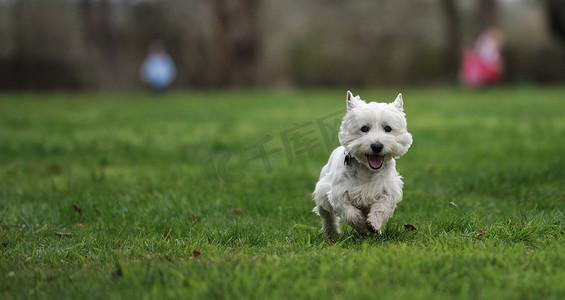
x=351, y=101
x=398, y=103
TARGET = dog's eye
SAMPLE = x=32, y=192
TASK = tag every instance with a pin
x=387, y=129
x=365, y=128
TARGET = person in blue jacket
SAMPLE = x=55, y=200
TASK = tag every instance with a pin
x=158, y=70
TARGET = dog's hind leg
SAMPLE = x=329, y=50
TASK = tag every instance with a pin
x=329, y=221
x=323, y=208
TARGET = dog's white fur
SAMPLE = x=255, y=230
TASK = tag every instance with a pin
x=350, y=189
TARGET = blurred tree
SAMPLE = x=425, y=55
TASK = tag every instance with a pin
x=101, y=42
x=487, y=14
x=556, y=17
x=41, y=49
x=453, y=36
x=237, y=40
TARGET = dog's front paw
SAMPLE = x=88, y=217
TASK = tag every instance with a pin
x=375, y=229
x=353, y=216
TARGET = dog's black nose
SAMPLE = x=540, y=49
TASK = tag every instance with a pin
x=377, y=147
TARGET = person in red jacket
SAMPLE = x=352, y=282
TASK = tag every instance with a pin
x=483, y=65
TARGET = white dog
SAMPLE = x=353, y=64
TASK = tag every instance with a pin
x=360, y=185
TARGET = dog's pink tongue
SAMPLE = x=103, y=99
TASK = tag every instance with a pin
x=376, y=161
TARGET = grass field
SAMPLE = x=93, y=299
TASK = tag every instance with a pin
x=206, y=195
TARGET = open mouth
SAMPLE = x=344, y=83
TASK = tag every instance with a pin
x=375, y=161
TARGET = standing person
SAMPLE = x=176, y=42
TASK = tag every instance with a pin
x=483, y=65
x=158, y=70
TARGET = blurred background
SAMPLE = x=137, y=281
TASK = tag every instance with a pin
x=101, y=44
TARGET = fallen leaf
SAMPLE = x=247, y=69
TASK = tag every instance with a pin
x=236, y=211
x=480, y=235
x=80, y=225
x=410, y=227
x=196, y=254
x=77, y=208
x=63, y=234
x=196, y=219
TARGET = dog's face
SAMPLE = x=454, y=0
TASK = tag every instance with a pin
x=374, y=132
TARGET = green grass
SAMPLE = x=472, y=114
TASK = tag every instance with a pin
x=173, y=199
